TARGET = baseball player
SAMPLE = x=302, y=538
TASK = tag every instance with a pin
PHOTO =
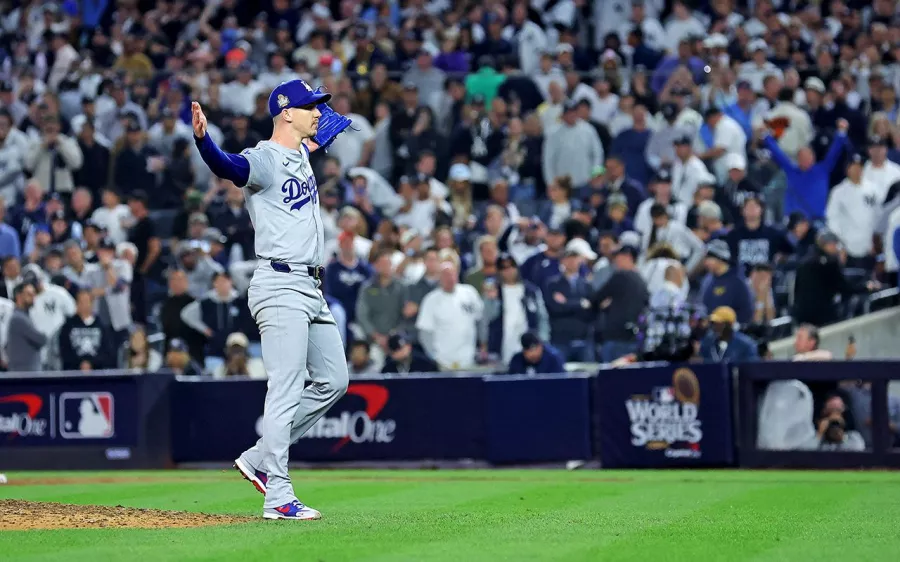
x=299, y=336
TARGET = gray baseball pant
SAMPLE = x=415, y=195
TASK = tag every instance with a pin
x=299, y=339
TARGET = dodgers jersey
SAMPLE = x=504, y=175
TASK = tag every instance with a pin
x=283, y=201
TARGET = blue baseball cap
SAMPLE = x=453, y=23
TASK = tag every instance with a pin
x=295, y=93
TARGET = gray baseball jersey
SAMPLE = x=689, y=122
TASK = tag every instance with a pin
x=300, y=340
x=283, y=200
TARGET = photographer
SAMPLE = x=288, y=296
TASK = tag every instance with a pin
x=53, y=158
x=832, y=428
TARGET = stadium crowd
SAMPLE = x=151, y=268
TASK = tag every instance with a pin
x=525, y=183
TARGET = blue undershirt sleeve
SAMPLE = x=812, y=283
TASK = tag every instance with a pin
x=233, y=167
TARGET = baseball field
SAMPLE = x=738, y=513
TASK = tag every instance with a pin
x=466, y=515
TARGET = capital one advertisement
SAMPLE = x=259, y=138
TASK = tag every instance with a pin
x=392, y=419
x=44, y=413
x=665, y=417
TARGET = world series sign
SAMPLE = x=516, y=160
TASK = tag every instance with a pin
x=665, y=416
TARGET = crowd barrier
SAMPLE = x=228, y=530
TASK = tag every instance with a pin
x=650, y=416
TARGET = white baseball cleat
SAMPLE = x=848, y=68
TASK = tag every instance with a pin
x=294, y=510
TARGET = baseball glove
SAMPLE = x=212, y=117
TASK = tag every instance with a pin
x=331, y=124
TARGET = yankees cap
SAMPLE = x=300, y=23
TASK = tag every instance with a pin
x=295, y=93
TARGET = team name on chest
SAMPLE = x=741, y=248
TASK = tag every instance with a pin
x=301, y=188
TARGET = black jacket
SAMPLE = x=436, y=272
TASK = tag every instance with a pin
x=820, y=278
x=628, y=295
x=81, y=342
x=419, y=363
x=173, y=327
x=569, y=321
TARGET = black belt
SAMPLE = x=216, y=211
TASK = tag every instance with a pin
x=316, y=272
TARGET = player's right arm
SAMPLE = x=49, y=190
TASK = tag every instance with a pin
x=246, y=169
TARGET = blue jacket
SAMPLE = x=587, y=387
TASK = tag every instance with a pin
x=531, y=301
x=551, y=362
x=807, y=191
x=729, y=289
x=740, y=349
x=343, y=283
x=630, y=146
x=569, y=321
x=539, y=268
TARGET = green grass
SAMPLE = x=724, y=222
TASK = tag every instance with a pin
x=464, y=516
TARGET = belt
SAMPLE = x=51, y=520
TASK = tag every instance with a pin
x=316, y=272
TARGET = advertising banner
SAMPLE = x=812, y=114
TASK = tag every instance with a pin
x=408, y=418
x=73, y=411
x=540, y=418
x=672, y=416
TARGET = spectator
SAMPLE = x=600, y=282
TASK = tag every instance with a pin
x=726, y=343
x=380, y=301
x=220, y=313
x=685, y=243
x=85, y=344
x=138, y=166
x=620, y=301
x=52, y=306
x=721, y=137
x=10, y=244
x=661, y=190
x=11, y=276
x=619, y=181
x=179, y=360
x=113, y=217
x=736, y=188
x=238, y=362
x=143, y=235
x=655, y=271
x=807, y=181
x=54, y=158
x=572, y=149
x=110, y=284
x=754, y=242
x=570, y=310
x=170, y=314
x=852, y=213
x=404, y=358
x=345, y=275
x=137, y=354
x=616, y=219
x=541, y=267
x=536, y=358
x=723, y=285
x=820, y=280
x=360, y=363
x=485, y=267
x=512, y=307
x=688, y=170
x=13, y=147
x=200, y=268
x=806, y=345
x=415, y=293
x=879, y=171
x=449, y=319
x=24, y=342
x=631, y=144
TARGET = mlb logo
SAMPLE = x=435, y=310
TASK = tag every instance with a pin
x=86, y=415
x=663, y=394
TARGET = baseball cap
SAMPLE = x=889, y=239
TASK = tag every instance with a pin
x=213, y=234
x=734, y=161
x=617, y=200
x=59, y=215
x=506, y=260
x=397, y=340
x=857, y=158
x=178, y=344
x=530, y=340
x=597, y=171
x=628, y=249
x=744, y=85
x=460, y=172
x=199, y=218
x=815, y=84
x=582, y=248
x=294, y=93
x=876, y=140
x=570, y=105
x=719, y=249
x=669, y=110
x=663, y=175
x=723, y=315
x=682, y=139
x=827, y=237
x=709, y=210
x=107, y=243
x=133, y=127
x=237, y=338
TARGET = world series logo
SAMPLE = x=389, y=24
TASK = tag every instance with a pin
x=667, y=418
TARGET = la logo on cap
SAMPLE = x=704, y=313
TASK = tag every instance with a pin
x=282, y=101
x=305, y=85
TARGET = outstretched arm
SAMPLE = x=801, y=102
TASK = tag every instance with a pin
x=837, y=145
x=233, y=167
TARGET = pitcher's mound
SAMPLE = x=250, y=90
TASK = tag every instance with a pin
x=20, y=515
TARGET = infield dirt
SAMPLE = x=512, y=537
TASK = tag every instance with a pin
x=19, y=515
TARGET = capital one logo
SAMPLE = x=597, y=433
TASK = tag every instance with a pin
x=360, y=426
x=20, y=423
